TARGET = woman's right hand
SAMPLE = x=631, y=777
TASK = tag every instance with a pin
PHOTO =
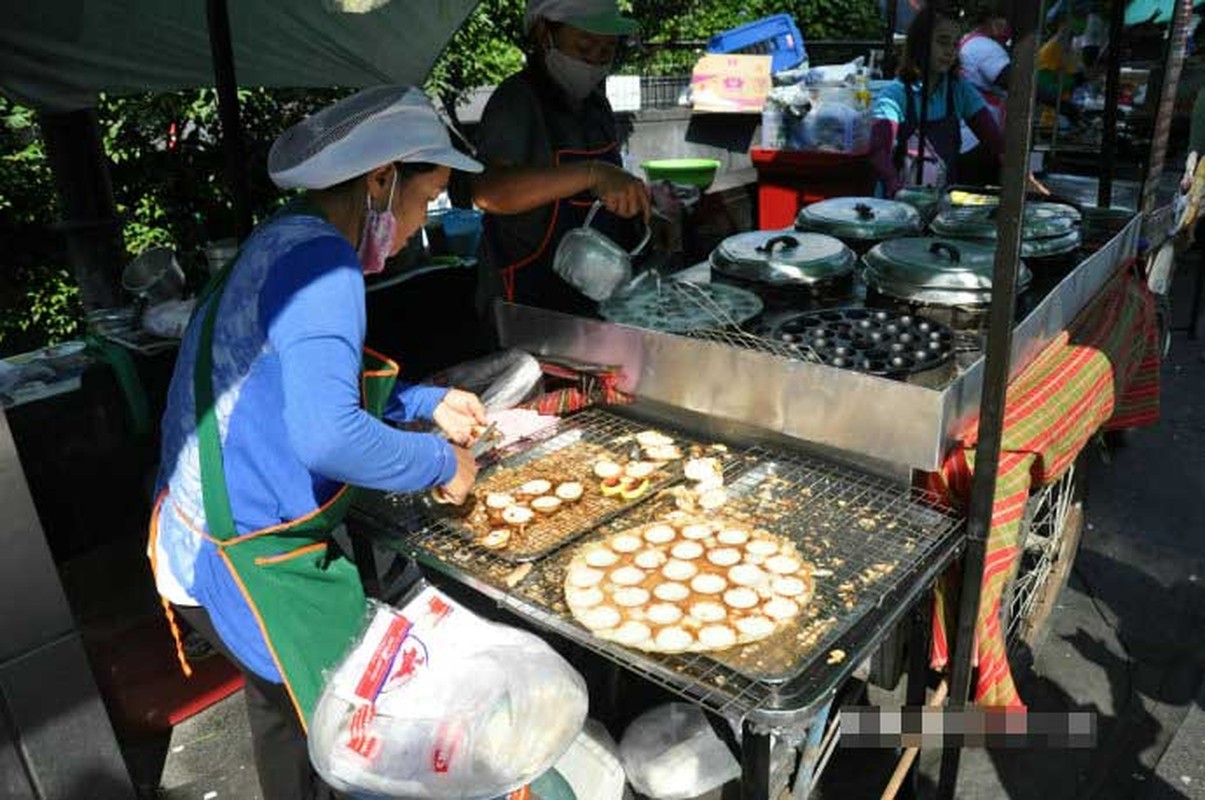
x=621, y=192
x=457, y=490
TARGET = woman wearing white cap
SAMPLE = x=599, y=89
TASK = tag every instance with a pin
x=549, y=139
x=271, y=416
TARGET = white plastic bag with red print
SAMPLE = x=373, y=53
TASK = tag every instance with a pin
x=435, y=702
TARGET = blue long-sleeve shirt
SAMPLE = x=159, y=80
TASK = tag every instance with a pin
x=287, y=351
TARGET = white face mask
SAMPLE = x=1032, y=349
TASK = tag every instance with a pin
x=578, y=78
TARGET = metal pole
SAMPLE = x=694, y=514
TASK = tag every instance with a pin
x=228, y=111
x=1108, y=144
x=889, y=60
x=1018, y=134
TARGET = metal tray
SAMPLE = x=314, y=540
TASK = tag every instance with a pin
x=883, y=542
x=568, y=452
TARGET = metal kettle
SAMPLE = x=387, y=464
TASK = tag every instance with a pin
x=592, y=263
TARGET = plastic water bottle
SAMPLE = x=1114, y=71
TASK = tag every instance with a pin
x=773, y=127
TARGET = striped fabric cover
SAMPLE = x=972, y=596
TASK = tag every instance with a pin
x=1103, y=372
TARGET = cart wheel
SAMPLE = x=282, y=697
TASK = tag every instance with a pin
x=1049, y=540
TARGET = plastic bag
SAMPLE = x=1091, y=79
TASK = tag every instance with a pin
x=671, y=753
x=502, y=380
x=434, y=702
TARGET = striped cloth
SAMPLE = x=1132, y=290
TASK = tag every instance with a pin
x=572, y=389
x=1101, y=372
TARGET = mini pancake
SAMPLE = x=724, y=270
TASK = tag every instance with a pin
x=607, y=470
x=630, y=596
x=663, y=613
x=601, y=557
x=660, y=534
x=674, y=639
x=708, y=583
x=746, y=575
x=626, y=543
x=584, y=598
x=701, y=469
x=497, y=501
x=724, y=556
x=687, y=551
x=584, y=577
x=632, y=633
x=545, y=504
x=600, y=617
x=755, y=627
x=741, y=598
x=534, y=488
x=627, y=576
x=732, y=536
x=570, y=491
x=717, y=637
x=518, y=515
x=651, y=438
x=698, y=530
x=662, y=452
x=679, y=570
x=639, y=470
x=788, y=586
x=708, y=611
x=761, y=547
x=649, y=559
x=496, y=539
x=671, y=592
x=782, y=564
x=781, y=608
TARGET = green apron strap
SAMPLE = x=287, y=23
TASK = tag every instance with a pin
x=218, y=517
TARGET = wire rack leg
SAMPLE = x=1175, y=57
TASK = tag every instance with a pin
x=755, y=763
x=812, y=751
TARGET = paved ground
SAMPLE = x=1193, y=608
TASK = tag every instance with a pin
x=1127, y=641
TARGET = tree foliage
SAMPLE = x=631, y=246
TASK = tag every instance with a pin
x=167, y=165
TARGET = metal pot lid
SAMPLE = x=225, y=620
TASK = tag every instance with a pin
x=675, y=308
x=860, y=218
x=905, y=267
x=783, y=258
x=1041, y=221
x=1052, y=246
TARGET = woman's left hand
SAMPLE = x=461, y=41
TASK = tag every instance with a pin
x=459, y=415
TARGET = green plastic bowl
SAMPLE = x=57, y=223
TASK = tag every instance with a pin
x=691, y=171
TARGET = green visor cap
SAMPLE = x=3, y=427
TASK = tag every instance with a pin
x=605, y=24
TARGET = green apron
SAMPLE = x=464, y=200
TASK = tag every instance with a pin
x=305, y=594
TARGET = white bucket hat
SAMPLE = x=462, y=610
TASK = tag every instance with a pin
x=597, y=16
x=367, y=130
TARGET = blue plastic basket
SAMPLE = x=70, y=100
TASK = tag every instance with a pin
x=776, y=36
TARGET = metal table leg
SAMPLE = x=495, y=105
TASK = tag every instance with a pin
x=755, y=763
x=809, y=763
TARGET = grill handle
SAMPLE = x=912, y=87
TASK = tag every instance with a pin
x=950, y=250
x=864, y=211
x=786, y=240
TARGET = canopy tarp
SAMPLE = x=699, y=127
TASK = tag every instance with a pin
x=1156, y=11
x=58, y=54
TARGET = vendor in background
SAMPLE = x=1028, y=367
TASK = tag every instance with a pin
x=272, y=416
x=551, y=147
x=985, y=63
x=932, y=41
x=1060, y=66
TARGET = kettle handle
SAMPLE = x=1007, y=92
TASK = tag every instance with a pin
x=648, y=231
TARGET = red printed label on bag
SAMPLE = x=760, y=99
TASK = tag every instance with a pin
x=359, y=741
x=446, y=743
x=381, y=663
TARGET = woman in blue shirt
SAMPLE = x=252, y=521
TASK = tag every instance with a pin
x=272, y=416
x=932, y=40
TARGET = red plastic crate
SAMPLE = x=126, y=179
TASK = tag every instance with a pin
x=788, y=180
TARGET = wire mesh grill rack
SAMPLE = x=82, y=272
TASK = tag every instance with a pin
x=567, y=453
x=874, y=545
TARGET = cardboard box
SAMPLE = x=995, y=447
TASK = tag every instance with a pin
x=730, y=83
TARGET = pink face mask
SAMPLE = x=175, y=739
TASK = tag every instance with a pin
x=377, y=239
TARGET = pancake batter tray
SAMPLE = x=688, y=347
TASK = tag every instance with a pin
x=569, y=454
